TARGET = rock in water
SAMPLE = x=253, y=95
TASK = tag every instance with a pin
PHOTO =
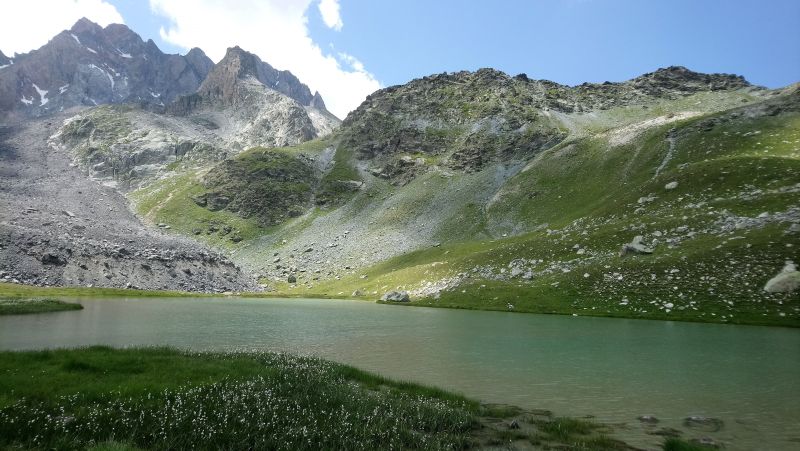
x=787, y=281
x=635, y=247
x=396, y=296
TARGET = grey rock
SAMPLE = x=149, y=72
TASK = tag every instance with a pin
x=396, y=296
x=707, y=424
x=635, y=247
x=786, y=281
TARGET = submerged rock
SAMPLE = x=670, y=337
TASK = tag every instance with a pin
x=707, y=424
x=396, y=296
x=787, y=281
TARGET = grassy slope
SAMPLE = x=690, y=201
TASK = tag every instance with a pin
x=584, y=191
x=169, y=399
x=587, y=187
x=20, y=307
x=169, y=201
x=12, y=291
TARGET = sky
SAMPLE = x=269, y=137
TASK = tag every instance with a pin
x=346, y=49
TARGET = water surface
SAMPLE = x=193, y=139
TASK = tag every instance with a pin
x=615, y=369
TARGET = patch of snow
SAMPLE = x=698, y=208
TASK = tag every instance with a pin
x=4, y=65
x=76, y=38
x=155, y=95
x=63, y=89
x=42, y=95
x=91, y=50
x=123, y=54
x=26, y=101
x=110, y=78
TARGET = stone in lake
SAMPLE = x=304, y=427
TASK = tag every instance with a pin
x=396, y=296
x=648, y=419
x=707, y=424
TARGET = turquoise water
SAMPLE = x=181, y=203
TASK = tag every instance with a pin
x=614, y=369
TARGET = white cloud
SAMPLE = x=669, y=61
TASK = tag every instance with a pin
x=28, y=24
x=276, y=31
x=329, y=9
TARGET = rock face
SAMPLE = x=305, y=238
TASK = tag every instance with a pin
x=467, y=120
x=396, y=296
x=90, y=65
x=58, y=227
x=4, y=60
x=250, y=102
x=787, y=281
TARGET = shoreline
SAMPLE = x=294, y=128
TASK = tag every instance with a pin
x=11, y=291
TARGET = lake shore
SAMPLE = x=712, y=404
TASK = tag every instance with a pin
x=162, y=397
x=18, y=291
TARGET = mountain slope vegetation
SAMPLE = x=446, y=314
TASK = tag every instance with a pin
x=480, y=190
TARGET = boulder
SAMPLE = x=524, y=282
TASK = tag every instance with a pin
x=671, y=185
x=291, y=278
x=706, y=424
x=396, y=296
x=787, y=281
x=635, y=247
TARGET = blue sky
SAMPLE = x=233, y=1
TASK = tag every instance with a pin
x=569, y=41
x=365, y=44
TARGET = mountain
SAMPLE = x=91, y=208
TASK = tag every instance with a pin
x=105, y=131
x=90, y=65
x=4, y=60
x=255, y=104
x=484, y=190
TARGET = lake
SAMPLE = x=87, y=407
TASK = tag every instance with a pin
x=614, y=369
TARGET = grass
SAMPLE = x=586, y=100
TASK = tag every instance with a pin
x=676, y=444
x=161, y=398
x=169, y=201
x=20, y=307
x=587, y=193
x=164, y=398
x=13, y=291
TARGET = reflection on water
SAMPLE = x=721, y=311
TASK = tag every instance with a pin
x=613, y=368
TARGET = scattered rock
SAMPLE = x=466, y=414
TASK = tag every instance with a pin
x=635, y=247
x=787, y=281
x=396, y=296
x=671, y=185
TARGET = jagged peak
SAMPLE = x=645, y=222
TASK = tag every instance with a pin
x=84, y=25
x=317, y=101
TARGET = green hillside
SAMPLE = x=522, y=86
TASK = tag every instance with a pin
x=447, y=204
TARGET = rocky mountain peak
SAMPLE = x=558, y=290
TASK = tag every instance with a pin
x=91, y=65
x=4, y=60
x=317, y=101
x=678, y=79
x=239, y=64
x=84, y=25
